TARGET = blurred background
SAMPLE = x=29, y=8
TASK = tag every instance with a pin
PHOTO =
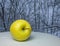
x=43, y=15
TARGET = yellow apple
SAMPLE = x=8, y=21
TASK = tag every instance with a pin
x=20, y=30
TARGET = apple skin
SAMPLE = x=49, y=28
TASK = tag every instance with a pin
x=20, y=30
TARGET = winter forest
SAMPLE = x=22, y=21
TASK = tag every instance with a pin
x=43, y=15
